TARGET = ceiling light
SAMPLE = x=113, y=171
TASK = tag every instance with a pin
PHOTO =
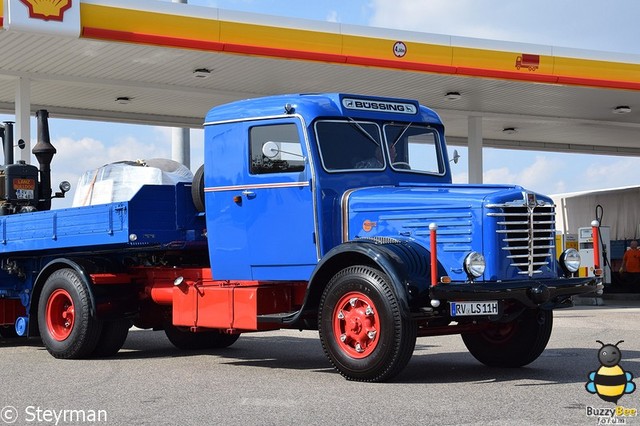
x=201, y=73
x=509, y=130
x=123, y=100
x=452, y=96
x=622, y=109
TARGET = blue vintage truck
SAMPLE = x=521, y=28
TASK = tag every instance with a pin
x=330, y=212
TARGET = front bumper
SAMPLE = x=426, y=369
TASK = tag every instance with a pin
x=531, y=293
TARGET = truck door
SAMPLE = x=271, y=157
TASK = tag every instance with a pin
x=272, y=207
x=279, y=203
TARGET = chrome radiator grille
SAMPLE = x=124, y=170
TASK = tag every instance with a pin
x=527, y=232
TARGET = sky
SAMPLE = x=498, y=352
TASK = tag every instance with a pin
x=588, y=24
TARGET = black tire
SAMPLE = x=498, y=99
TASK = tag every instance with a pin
x=113, y=336
x=77, y=338
x=8, y=331
x=361, y=357
x=513, y=344
x=184, y=339
x=197, y=189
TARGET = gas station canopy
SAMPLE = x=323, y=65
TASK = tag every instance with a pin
x=166, y=63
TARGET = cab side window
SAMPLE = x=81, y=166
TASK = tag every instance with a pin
x=275, y=148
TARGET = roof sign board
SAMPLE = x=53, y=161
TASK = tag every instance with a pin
x=56, y=17
x=368, y=105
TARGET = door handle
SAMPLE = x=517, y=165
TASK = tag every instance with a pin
x=249, y=194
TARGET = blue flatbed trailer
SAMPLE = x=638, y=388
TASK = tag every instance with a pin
x=158, y=217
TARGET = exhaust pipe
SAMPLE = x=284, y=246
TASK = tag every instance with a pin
x=44, y=152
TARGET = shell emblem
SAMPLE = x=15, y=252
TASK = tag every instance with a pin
x=48, y=10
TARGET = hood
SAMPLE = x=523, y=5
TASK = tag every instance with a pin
x=407, y=210
x=459, y=211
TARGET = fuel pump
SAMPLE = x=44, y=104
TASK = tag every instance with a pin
x=586, y=250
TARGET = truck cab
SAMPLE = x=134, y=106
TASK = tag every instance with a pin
x=280, y=176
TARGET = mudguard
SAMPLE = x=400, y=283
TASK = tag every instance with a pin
x=83, y=266
x=405, y=262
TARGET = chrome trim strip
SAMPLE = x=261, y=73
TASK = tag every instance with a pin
x=257, y=186
x=259, y=118
x=344, y=208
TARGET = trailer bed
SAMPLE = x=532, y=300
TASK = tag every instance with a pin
x=157, y=217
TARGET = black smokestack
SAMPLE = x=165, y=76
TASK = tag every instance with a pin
x=44, y=153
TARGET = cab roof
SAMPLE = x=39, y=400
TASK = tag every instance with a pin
x=312, y=106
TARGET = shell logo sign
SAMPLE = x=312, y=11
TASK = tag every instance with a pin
x=56, y=17
x=48, y=10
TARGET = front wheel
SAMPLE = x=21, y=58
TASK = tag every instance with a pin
x=361, y=326
x=67, y=328
x=182, y=338
x=513, y=344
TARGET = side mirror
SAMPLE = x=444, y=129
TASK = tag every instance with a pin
x=455, y=157
x=270, y=149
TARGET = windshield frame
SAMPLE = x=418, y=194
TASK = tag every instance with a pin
x=382, y=127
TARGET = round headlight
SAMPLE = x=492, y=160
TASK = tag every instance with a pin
x=570, y=260
x=474, y=264
x=64, y=186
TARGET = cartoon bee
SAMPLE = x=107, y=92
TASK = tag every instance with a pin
x=610, y=382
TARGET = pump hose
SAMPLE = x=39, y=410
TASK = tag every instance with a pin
x=605, y=258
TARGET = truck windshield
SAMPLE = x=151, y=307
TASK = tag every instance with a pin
x=413, y=147
x=358, y=145
x=350, y=145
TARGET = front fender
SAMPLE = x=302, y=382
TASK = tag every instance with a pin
x=405, y=262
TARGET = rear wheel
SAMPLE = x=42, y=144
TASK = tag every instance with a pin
x=361, y=327
x=112, y=337
x=67, y=328
x=513, y=344
x=182, y=338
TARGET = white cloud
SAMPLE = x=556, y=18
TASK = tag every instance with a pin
x=610, y=174
x=462, y=177
x=551, y=173
x=542, y=175
x=499, y=175
x=332, y=16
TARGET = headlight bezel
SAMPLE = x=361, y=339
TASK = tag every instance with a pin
x=474, y=264
x=570, y=261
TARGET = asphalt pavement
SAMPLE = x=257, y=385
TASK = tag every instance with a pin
x=284, y=378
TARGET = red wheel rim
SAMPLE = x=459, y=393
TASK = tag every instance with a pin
x=500, y=334
x=356, y=325
x=60, y=314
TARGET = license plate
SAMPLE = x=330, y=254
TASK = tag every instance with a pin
x=465, y=309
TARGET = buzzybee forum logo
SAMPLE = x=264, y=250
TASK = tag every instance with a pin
x=610, y=381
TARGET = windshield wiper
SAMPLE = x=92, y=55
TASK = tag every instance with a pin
x=363, y=130
x=395, y=141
